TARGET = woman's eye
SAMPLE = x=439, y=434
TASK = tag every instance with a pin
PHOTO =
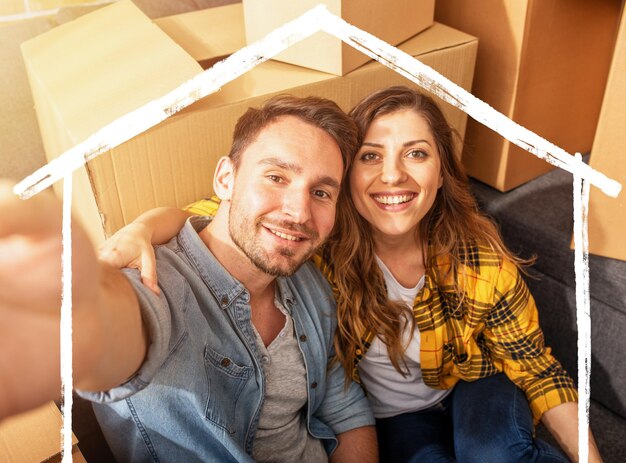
x=416, y=154
x=275, y=178
x=368, y=157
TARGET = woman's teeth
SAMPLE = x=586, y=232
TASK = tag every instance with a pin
x=399, y=199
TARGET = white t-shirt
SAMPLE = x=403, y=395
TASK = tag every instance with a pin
x=390, y=393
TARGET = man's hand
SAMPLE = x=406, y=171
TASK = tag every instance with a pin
x=109, y=339
x=30, y=296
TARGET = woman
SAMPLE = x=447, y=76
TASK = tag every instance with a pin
x=431, y=306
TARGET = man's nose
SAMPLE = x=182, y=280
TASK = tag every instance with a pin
x=297, y=204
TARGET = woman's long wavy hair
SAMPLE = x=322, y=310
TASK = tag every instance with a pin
x=449, y=228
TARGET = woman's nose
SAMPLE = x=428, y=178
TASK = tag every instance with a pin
x=392, y=173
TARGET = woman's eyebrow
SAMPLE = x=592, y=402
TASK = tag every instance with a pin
x=415, y=142
x=371, y=143
x=405, y=144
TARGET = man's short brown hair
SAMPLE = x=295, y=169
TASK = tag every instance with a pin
x=320, y=112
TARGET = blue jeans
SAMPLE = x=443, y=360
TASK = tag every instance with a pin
x=484, y=421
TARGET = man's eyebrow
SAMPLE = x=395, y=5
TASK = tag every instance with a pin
x=329, y=181
x=283, y=164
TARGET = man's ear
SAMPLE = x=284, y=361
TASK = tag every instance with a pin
x=224, y=178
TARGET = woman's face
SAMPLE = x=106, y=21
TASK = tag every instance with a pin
x=396, y=173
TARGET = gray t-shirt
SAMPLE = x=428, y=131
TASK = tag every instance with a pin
x=281, y=434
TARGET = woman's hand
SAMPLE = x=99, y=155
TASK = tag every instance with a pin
x=562, y=422
x=131, y=247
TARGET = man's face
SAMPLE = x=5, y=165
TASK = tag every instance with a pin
x=284, y=195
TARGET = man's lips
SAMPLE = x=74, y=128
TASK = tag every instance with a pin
x=288, y=232
x=285, y=236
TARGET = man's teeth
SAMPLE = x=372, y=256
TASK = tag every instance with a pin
x=285, y=236
x=393, y=199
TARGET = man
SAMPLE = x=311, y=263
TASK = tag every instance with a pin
x=230, y=361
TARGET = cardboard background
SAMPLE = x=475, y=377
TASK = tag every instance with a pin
x=21, y=148
x=607, y=216
x=172, y=164
x=542, y=63
x=393, y=21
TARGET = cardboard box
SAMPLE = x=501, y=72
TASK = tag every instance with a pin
x=77, y=457
x=172, y=164
x=607, y=218
x=542, y=63
x=34, y=436
x=393, y=21
x=207, y=35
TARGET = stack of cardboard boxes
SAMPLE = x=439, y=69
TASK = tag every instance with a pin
x=607, y=220
x=542, y=63
x=103, y=65
x=545, y=64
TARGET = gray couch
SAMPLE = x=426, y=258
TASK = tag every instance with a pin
x=537, y=219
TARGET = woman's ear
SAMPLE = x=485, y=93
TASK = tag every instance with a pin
x=224, y=178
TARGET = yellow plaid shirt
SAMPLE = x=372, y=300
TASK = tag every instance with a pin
x=495, y=329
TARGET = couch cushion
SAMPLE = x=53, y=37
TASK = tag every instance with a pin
x=557, y=316
x=537, y=218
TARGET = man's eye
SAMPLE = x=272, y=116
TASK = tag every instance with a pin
x=321, y=194
x=275, y=178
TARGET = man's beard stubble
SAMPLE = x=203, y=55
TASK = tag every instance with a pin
x=258, y=254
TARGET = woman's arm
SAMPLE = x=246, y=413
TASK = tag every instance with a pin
x=562, y=422
x=131, y=246
x=516, y=339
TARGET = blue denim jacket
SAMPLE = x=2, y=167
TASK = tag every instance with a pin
x=199, y=392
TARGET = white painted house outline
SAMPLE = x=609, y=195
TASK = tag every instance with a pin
x=211, y=80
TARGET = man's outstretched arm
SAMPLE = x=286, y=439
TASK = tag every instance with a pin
x=108, y=336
